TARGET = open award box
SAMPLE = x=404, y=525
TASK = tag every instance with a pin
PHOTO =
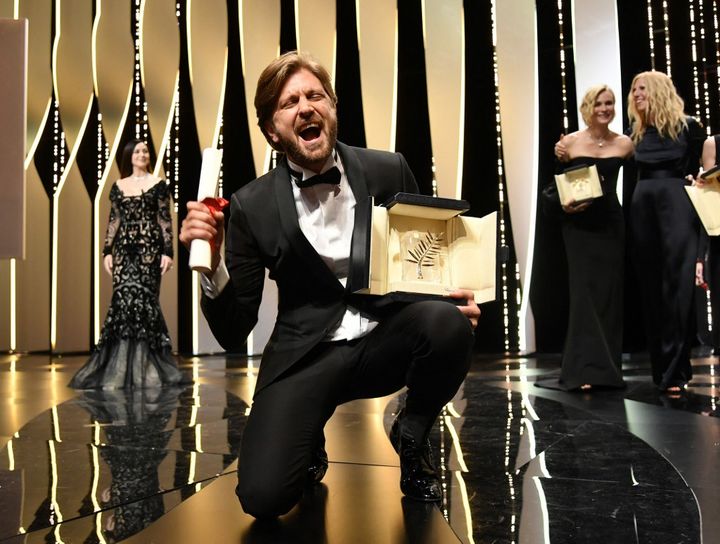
x=416, y=247
x=578, y=184
x=706, y=201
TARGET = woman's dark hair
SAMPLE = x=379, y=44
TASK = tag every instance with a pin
x=126, y=168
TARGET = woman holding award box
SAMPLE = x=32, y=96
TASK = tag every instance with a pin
x=594, y=232
x=664, y=225
x=134, y=346
x=707, y=269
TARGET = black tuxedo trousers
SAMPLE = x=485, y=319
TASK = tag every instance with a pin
x=426, y=346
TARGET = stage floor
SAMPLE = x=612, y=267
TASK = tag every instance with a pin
x=519, y=463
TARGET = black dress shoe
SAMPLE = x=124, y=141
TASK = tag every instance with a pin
x=318, y=466
x=418, y=477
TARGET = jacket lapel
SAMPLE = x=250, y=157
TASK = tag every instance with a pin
x=359, y=247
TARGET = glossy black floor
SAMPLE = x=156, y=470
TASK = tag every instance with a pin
x=520, y=464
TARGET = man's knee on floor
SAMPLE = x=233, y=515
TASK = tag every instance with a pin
x=263, y=500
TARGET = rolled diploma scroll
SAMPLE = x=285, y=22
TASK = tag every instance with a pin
x=200, y=250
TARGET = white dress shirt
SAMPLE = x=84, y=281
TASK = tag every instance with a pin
x=326, y=215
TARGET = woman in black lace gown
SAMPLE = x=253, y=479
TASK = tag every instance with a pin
x=594, y=233
x=668, y=145
x=134, y=347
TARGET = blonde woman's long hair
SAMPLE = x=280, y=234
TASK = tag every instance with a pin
x=664, y=107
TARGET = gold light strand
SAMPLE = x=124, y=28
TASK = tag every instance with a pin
x=58, y=147
x=694, y=53
x=443, y=464
x=651, y=33
x=221, y=146
x=705, y=83
x=666, y=28
x=434, y=177
x=501, y=199
x=563, y=82
x=100, y=162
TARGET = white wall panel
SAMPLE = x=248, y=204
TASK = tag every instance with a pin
x=518, y=82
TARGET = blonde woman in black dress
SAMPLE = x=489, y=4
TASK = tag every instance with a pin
x=594, y=234
x=668, y=145
x=134, y=346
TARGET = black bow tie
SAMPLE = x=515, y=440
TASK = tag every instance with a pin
x=330, y=176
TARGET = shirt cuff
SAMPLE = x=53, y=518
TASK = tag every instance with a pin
x=213, y=286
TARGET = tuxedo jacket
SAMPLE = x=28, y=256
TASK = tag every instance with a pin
x=263, y=233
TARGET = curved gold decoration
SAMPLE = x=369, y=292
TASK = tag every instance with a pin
x=33, y=274
x=32, y=287
x=207, y=51
x=39, y=75
x=159, y=62
x=377, y=41
x=72, y=64
x=113, y=68
x=316, y=27
x=444, y=66
x=260, y=39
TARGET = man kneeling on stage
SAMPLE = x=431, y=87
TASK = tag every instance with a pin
x=328, y=346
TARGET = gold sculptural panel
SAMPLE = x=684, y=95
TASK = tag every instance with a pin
x=316, y=27
x=260, y=42
x=159, y=63
x=159, y=66
x=39, y=92
x=377, y=39
x=207, y=44
x=33, y=274
x=72, y=66
x=113, y=69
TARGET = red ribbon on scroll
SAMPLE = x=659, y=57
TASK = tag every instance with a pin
x=215, y=204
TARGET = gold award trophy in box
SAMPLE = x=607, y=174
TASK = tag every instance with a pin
x=578, y=184
x=706, y=200
x=421, y=247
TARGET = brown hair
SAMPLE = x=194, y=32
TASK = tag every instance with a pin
x=273, y=78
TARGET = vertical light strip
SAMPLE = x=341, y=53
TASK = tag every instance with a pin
x=694, y=55
x=195, y=293
x=55, y=507
x=461, y=117
x=651, y=34
x=666, y=28
x=501, y=199
x=716, y=40
x=13, y=305
x=95, y=477
x=11, y=455
x=393, y=117
x=563, y=81
x=705, y=86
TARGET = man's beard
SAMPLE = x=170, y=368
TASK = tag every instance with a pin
x=300, y=156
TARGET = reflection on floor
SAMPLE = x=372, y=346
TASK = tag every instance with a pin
x=520, y=464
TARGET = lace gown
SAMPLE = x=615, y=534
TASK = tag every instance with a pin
x=134, y=347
